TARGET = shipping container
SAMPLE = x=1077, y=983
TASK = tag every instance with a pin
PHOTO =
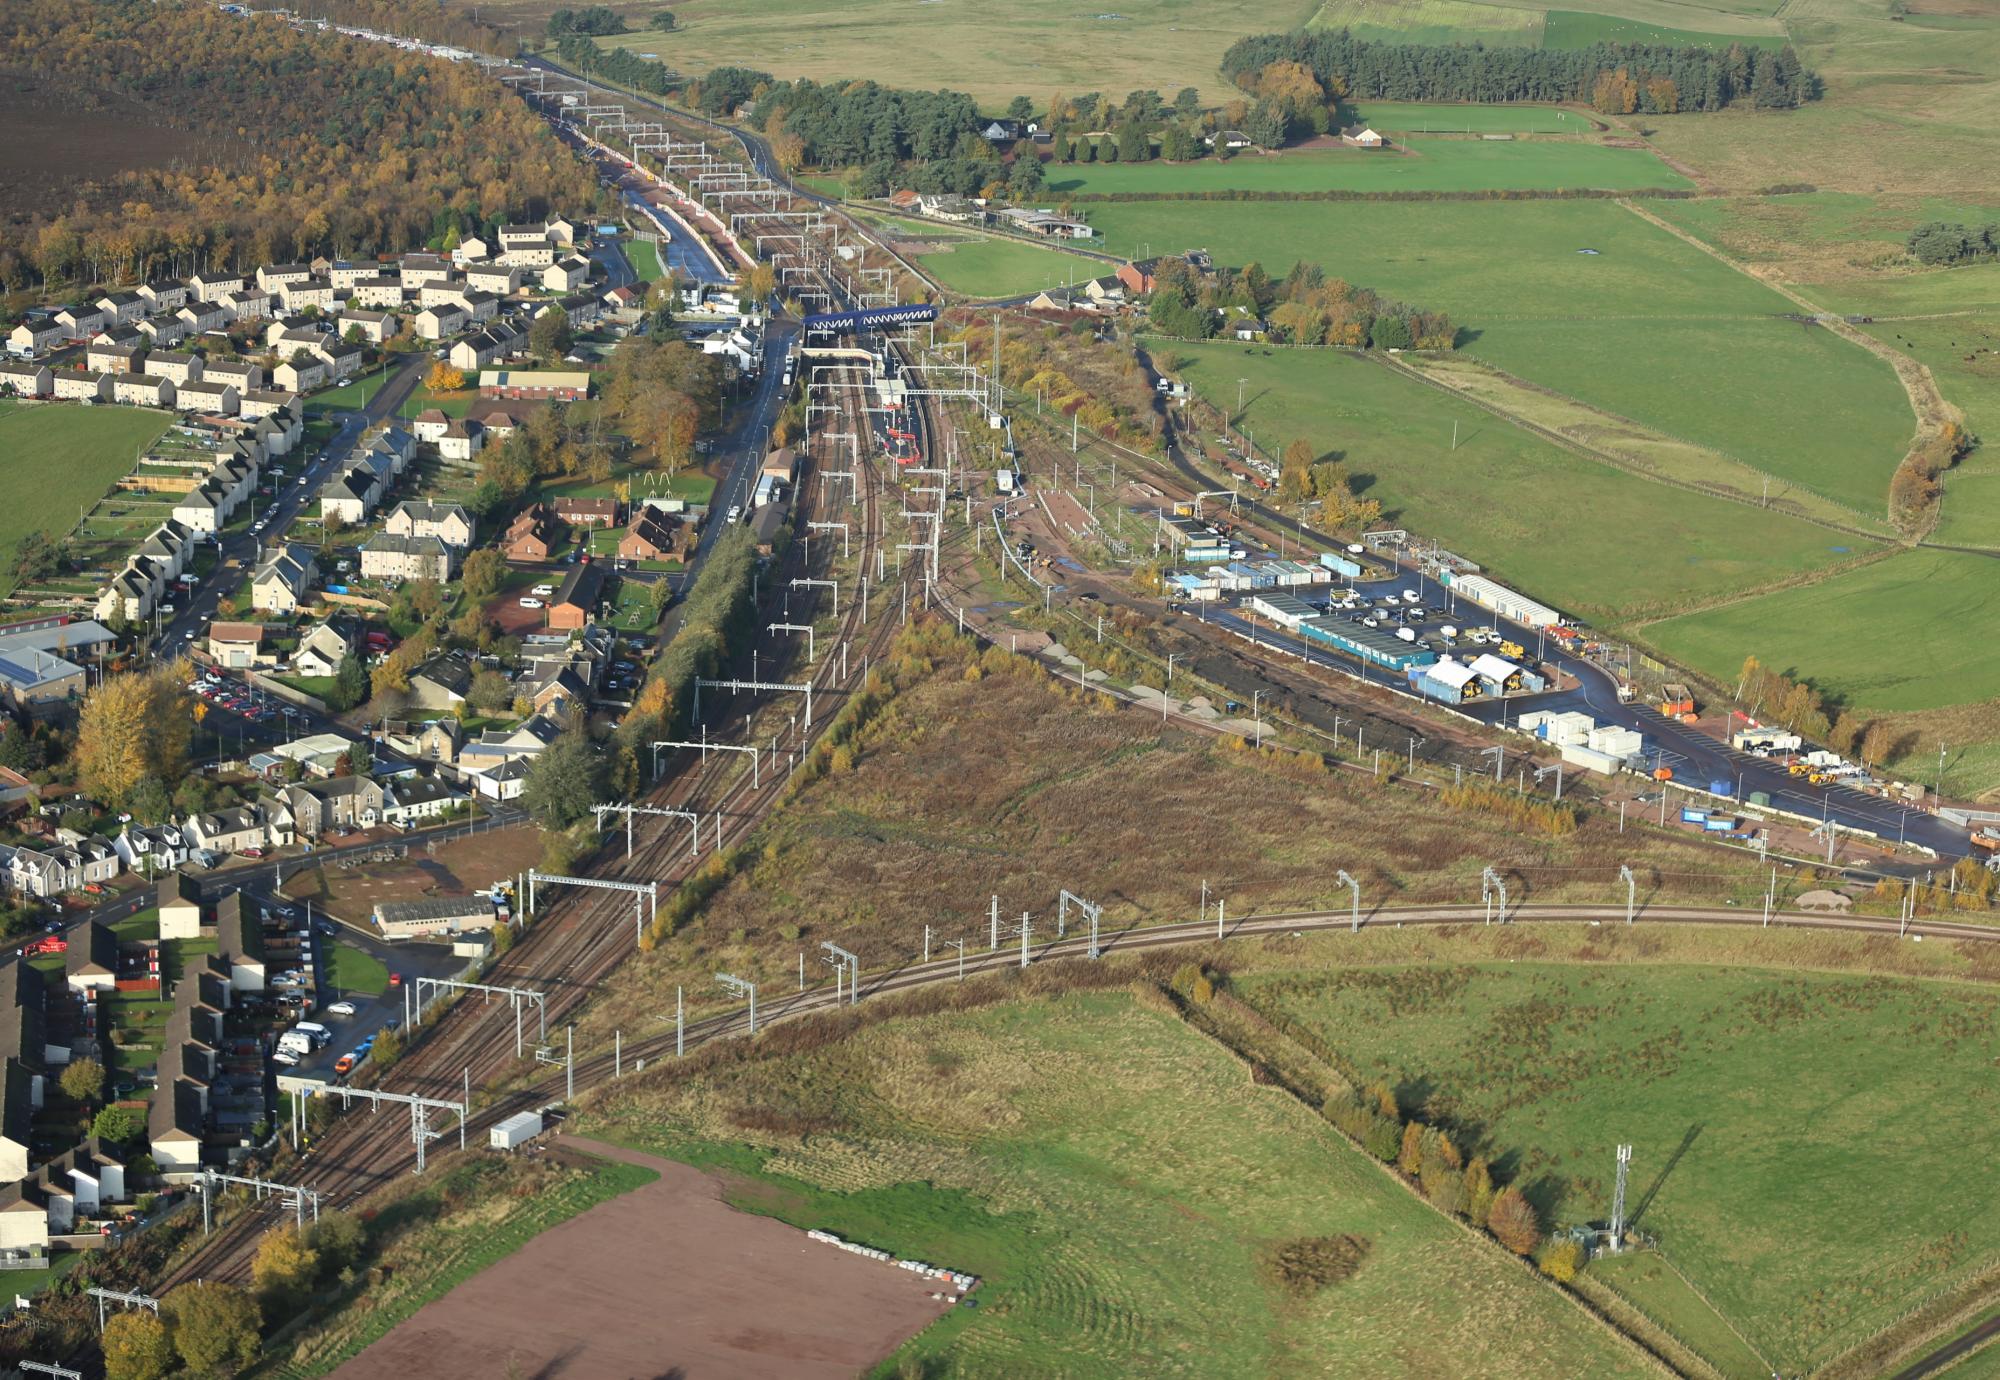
x=1721, y=788
x=515, y=1131
x=1761, y=798
x=1719, y=826
x=1692, y=816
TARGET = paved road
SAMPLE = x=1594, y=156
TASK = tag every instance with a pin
x=193, y=613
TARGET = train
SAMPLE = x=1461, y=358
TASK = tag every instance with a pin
x=868, y=319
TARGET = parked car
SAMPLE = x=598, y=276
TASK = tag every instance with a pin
x=341, y=1008
x=543, y=590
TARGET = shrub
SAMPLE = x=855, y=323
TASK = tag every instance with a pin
x=1514, y=1223
x=1562, y=1261
x=1303, y=1267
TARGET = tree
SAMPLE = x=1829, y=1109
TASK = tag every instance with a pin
x=1176, y=144
x=485, y=571
x=444, y=377
x=565, y=781
x=1020, y=108
x=117, y=1125
x=1134, y=144
x=214, y=1327
x=1514, y=1223
x=1390, y=333
x=83, y=1080
x=1410, y=1156
x=350, y=684
x=490, y=691
x=133, y=726
x=1187, y=103
x=663, y=20
x=284, y=1268
x=549, y=338
x=1562, y=1260
x=36, y=558
x=1478, y=1192
x=136, y=1347
x=21, y=752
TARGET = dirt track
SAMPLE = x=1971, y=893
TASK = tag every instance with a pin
x=667, y=1280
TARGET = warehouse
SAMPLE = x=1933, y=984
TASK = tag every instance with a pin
x=419, y=919
x=1286, y=610
x=1502, y=677
x=1370, y=644
x=1448, y=682
x=1518, y=608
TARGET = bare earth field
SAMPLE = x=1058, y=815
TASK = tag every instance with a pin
x=458, y=868
x=664, y=1281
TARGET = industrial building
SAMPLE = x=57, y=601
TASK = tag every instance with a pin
x=1447, y=682
x=1502, y=677
x=1373, y=645
x=1286, y=610
x=1509, y=604
x=419, y=919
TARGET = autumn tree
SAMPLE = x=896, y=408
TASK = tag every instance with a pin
x=550, y=337
x=136, y=1346
x=1563, y=1260
x=284, y=1267
x=484, y=572
x=132, y=727
x=83, y=1080
x=444, y=377
x=214, y=1327
x=1514, y=1223
x=1410, y=1158
x=1479, y=1192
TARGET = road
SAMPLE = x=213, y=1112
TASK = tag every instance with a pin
x=293, y=495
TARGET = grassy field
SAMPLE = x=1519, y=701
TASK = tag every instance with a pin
x=999, y=268
x=1506, y=23
x=1451, y=165
x=1432, y=21
x=60, y=459
x=1113, y=1178
x=1647, y=327
x=645, y=260
x=1416, y=117
x=1573, y=29
x=353, y=395
x=1917, y=631
x=1490, y=499
x=1043, y=47
x=353, y=969
x=1736, y=1087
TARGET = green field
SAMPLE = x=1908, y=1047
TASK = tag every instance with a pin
x=1416, y=117
x=1429, y=165
x=999, y=268
x=1502, y=24
x=353, y=395
x=1490, y=498
x=1112, y=1177
x=1800, y=1141
x=1648, y=327
x=1431, y=21
x=59, y=460
x=350, y=968
x=1572, y=29
x=645, y=260
x=1917, y=631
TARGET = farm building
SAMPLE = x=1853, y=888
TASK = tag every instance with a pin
x=1369, y=644
x=1518, y=608
x=1361, y=137
x=418, y=919
x=1448, y=682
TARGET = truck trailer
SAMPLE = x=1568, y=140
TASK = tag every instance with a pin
x=515, y=1131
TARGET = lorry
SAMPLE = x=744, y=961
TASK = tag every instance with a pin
x=515, y=1131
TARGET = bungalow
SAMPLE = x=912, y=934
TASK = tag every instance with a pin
x=382, y=293
x=109, y=358
x=142, y=390
x=25, y=380
x=417, y=269
x=566, y=274
x=501, y=279
x=1047, y=224
x=624, y=304
x=37, y=337
x=1106, y=292
x=301, y=374
x=654, y=536
x=245, y=375
x=321, y=651
x=1006, y=131
x=283, y=578
x=203, y=316
x=448, y=522
x=430, y=424
x=373, y=326
x=576, y=600
x=463, y=438
x=588, y=512
x=167, y=295
x=274, y=276
x=556, y=385
x=951, y=208
x=390, y=557
x=533, y=535
x=1361, y=137
x=217, y=398
x=440, y=321
x=176, y=366
x=121, y=308
x=163, y=332
x=235, y=645
x=248, y=304
x=211, y=287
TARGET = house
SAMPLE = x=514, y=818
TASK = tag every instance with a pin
x=163, y=332
x=350, y=496
x=81, y=322
x=441, y=292
x=577, y=597
x=342, y=361
x=441, y=682
x=560, y=231
x=109, y=358
x=91, y=962
x=481, y=307
x=588, y=512
x=463, y=439
x=263, y=402
x=345, y=275
x=175, y=1125
x=239, y=942
x=653, y=536
x=498, y=748
x=176, y=366
x=74, y=385
x=582, y=308
x=533, y=535
x=383, y=294
x=20, y=1098
x=122, y=308
x=218, y=399
x=375, y=327
x=436, y=740
x=472, y=249
x=1137, y=276
x=501, y=340
x=245, y=375
x=566, y=274
x=209, y=287
x=1105, y=292
x=166, y=295
x=624, y=304
x=553, y=686
x=319, y=807
x=503, y=280
x=1005, y=131
x=301, y=374
x=235, y=645
x=499, y=425
x=556, y=385
x=390, y=557
x=522, y=252
x=202, y=509
x=249, y=304
x=1361, y=137
x=321, y=651
x=204, y=316
x=314, y=292
x=283, y=578
x=25, y=380
x=448, y=522
x=142, y=390
x=955, y=209
x=765, y=525
x=37, y=337
x=274, y=276
x=179, y=900
x=228, y=831
x=429, y=425
x=415, y=270
x=445, y=319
